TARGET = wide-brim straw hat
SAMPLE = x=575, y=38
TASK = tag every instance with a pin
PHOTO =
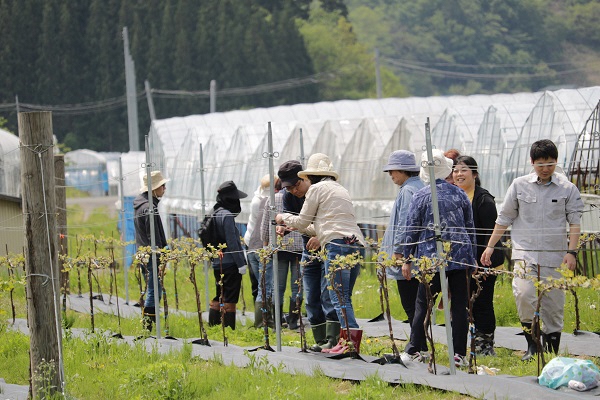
x=319, y=164
x=442, y=165
x=156, y=179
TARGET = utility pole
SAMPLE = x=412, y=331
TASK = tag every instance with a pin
x=378, y=74
x=132, y=111
x=150, y=100
x=41, y=260
x=213, y=96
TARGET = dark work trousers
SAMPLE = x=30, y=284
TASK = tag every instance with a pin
x=457, y=286
x=232, y=283
x=408, y=296
x=483, y=308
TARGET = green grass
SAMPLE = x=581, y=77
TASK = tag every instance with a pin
x=98, y=367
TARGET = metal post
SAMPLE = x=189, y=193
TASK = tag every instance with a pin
x=440, y=249
x=213, y=96
x=206, y=266
x=150, y=100
x=152, y=238
x=302, y=157
x=123, y=229
x=273, y=240
x=378, y=74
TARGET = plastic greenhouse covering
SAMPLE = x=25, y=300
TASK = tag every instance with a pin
x=10, y=168
x=358, y=135
x=86, y=170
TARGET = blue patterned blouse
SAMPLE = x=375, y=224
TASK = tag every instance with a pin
x=456, y=220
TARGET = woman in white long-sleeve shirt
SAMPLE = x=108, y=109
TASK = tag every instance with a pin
x=328, y=213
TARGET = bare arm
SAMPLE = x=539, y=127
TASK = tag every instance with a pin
x=494, y=238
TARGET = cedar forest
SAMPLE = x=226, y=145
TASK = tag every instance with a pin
x=70, y=54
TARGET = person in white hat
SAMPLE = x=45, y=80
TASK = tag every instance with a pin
x=141, y=207
x=328, y=213
x=456, y=221
x=404, y=172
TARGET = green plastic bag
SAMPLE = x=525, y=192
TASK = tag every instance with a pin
x=560, y=370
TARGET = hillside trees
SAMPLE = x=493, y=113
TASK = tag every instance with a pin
x=61, y=52
x=468, y=46
x=335, y=50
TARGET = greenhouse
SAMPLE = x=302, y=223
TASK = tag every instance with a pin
x=86, y=170
x=496, y=130
x=10, y=168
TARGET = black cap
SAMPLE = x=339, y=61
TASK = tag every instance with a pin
x=288, y=172
x=228, y=189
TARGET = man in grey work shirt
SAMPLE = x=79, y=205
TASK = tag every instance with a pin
x=539, y=206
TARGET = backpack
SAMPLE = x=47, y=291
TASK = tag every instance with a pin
x=208, y=230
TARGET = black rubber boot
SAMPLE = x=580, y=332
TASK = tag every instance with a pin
x=229, y=320
x=320, y=334
x=333, y=334
x=214, y=317
x=293, y=317
x=531, y=346
x=551, y=342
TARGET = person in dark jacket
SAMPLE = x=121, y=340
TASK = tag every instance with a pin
x=141, y=206
x=466, y=177
x=232, y=265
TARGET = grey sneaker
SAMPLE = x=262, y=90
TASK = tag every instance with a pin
x=422, y=356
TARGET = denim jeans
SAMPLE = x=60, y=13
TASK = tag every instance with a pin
x=319, y=308
x=149, y=279
x=344, y=280
x=288, y=265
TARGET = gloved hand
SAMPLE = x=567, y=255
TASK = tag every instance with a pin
x=242, y=270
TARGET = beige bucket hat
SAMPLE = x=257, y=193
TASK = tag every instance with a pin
x=156, y=179
x=319, y=164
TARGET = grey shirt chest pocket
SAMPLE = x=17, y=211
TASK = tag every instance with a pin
x=528, y=206
x=556, y=208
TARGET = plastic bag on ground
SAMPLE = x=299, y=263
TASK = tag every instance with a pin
x=560, y=370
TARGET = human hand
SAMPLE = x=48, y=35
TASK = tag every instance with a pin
x=570, y=260
x=406, y=271
x=486, y=257
x=242, y=270
x=313, y=244
x=279, y=219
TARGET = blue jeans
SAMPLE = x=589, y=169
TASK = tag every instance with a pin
x=344, y=280
x=318, y=303
x=149, y=279
x=286, y=262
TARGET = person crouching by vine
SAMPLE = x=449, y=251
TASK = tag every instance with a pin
x=328, y=213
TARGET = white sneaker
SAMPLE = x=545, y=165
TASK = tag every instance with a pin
x=417, y=357
x=460, y=361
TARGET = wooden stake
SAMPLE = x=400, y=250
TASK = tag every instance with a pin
x=41, y=260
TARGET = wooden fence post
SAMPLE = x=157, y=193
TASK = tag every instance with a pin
x=61, y=218
x=39, y=208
